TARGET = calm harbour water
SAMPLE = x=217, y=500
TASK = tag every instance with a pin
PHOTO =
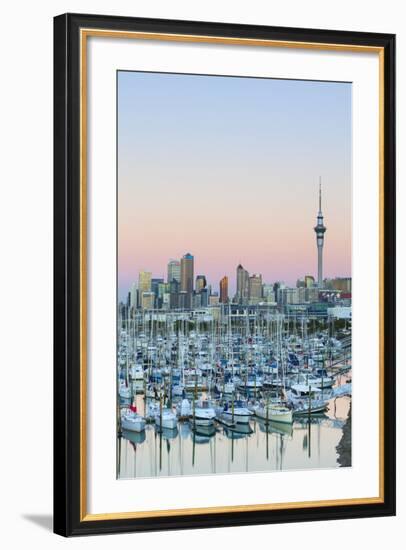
x=253, y=448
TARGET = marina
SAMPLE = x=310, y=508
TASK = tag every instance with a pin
x=231, y=388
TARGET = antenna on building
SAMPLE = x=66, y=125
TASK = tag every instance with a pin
x=319, y=193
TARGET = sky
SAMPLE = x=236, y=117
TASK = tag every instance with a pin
x=227, y=168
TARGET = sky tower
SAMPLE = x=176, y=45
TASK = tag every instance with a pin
x=320, y=229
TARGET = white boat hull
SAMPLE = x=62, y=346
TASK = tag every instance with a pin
x=136, y=425
x=240, y=418
x=316, y=407
x=125, y=392
x=167, y=422
x=275, y=415
x=202, y=421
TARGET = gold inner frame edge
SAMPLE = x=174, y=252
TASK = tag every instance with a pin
x=84, y=34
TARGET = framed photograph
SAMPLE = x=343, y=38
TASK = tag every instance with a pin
x=224, y=274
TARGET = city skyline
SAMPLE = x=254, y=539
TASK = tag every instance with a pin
x=246, y=202
x=181, y=290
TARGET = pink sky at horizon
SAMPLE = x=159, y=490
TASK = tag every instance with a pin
x=196, y=177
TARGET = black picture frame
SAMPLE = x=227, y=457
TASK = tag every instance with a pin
x=68, y=519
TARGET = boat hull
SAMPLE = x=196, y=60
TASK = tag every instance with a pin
x=274, y=415
x=169, y=423
x=203, y=421
x=240, y=418
x=137, y=425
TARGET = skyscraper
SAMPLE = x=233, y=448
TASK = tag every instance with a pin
x=201, y=283
x=134, y=295
x=173, y=271
x=224, y=290
x=255, y=289
x=144, y=287
x=186, y=273
x=320, y=229
x=144, y=281
x=186, y=280
x=147, y=300
x=174, y=289
x=242, y=284
x=155, y=289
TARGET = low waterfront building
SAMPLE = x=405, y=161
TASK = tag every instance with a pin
x=340, y=312
x=342, y=284
x=309, y=281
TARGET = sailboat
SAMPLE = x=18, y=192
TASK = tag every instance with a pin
x=274, y=412
x=306, y=399
x=237, y=413
x=131, y=420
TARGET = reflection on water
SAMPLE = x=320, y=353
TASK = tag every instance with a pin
x=255, y=447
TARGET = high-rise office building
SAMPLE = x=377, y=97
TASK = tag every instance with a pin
x=147, y=300
x=184, y=299
x=214, y=299
x=204, y=297
x=186, y=278
x=155, y=286
x=242, y=285
x=173, y=271
x=166, y=301
x=224, y=290
x=268, y=293
x=144, y=282
x=201, y=283
x=186, y=273
x=163, y=288
x=320, y=229
x=174, y=289
x=134, y=295
x=255, y=289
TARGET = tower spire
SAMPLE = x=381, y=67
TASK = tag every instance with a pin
x=320, y=229
x=319, y=193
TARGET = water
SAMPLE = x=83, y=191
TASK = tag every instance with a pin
x=180, y=452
